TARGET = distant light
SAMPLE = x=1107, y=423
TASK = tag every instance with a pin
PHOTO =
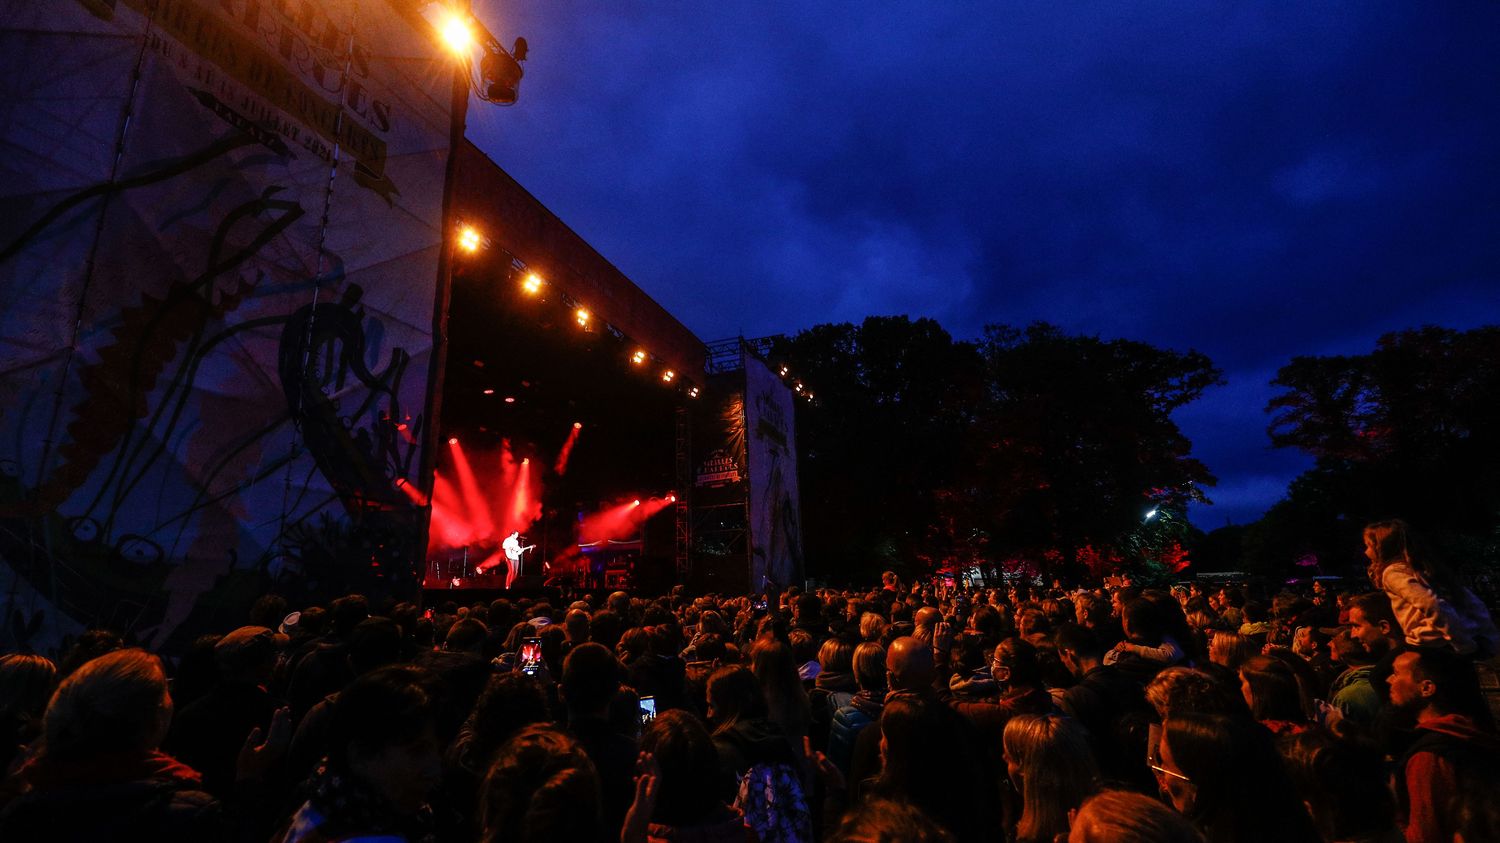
x=1152, y=514
x=453, y=440
x=457, y=34
x=668, y=376
x=469, y=239
x=489, y=392
x=510, y=399
x=784, y=371
x=799, y=386
x=533, y=284
x=583, y=316
x=577, y=425
x=526, y=461
x=636, y=502
x=692, y=392
x=638, y=357
x=671, y=498
x=809, y=396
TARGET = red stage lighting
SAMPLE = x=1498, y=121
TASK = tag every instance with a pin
x=489, y=392
x=636, y=502
x=526, y=461
x=577, y=425
x=453, y=440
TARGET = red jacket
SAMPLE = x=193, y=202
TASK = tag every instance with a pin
x=1447, y=750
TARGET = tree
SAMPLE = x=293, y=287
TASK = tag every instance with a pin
x=924, y=452
x=1410, y=430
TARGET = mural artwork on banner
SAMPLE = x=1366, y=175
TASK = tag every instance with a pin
x=775, y=509
x=218, y=262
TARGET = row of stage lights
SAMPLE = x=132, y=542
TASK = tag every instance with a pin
x=797, y=385
x=471, y=241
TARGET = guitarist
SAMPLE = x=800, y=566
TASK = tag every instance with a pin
x=513, y=550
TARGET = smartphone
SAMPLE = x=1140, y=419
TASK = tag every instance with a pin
x=531, y=656
x=648, y=710
x=759, y=605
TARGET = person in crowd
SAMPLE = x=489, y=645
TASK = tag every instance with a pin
x=26, y=684
x=1435, y=689
x=1223, y=773
x=888, y=821
x=1432, y=606
x=1110, y=705
x=862, y=709
x=775, y=669
x=1275, y=695
x=1049, y=762
x=833, y=688
x=100, y=774
x=685, y=802
x=1372, y=621
x=510, y=702
x=1351, y=692
x=207, y=735
x=1343, y=783
x=590, y=678
x=1123, y=816
x=931, y=759
x=384, y=761
x=762, y=767
x=541, y=787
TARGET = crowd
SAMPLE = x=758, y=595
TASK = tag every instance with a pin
x=901, y=713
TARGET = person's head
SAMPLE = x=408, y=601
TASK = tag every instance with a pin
x=509, y=703
x=1014, y=664
x=888, y=821
x=576, y=624
x=1178, y=690
x=636, y=642
x=1271, y=690
x=375, y=642
x=1349, y=651
x=383, y=731
x=1431, y=681
x=346, y=613
x=116, y=704
x=836, y=656
x=1224, y=774
x=465, y=636
x=808, y=609
x=687, y=792
x=1049, y=760
x=888, y=579
x=590, y=676
x=927, y=617
x=871, y=626
x=869, y=667
x=909, y=665
x=734, y=695
x=1373, y=622
x=1342, y=783
x=1077, y=648
x=619, y=603
x=1230, y=649
x=1124, y=816
x=1140, y=619
x=1386, y=543
x=541, y=787
x=26, y=683
x=711, y=622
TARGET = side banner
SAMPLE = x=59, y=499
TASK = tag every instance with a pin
x=775, y=508
x=218, y=263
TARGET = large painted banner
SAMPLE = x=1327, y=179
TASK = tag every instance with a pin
x=218, y=261
x=775, y=508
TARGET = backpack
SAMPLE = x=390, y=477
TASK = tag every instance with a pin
x=774, y=804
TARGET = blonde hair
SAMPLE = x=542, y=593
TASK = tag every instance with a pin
x=1230, y=649
x=113, y=704
x=1057, y=771
x=871, y=626
x=1122, y=816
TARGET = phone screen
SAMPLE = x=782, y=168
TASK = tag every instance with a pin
x=531, y=655
x=648, y=710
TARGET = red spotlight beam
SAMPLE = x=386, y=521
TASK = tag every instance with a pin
x=561, y=466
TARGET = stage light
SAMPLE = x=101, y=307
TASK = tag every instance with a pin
x=489, y=392
x=799, y=386
x=784, y=371
x=692, y=392
x=636, y=502
x=577, y=425
x=671, y=499
x=668, y=376
x=533, y=284
x=510, y=399
x=457, y=34
x=638, y=357
x=453, y=440
x=583, y=317
x=469, y=239
x=525, y=460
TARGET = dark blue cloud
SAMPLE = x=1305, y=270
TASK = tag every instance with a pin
x=1252, y=180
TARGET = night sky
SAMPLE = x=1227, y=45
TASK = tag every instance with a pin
x=1252, y=180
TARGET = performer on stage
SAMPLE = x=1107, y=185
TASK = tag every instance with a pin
x=512, y=549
